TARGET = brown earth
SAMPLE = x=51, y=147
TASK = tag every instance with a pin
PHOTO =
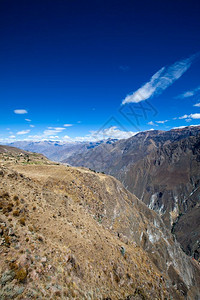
x=71, y=233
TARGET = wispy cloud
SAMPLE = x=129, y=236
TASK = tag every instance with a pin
x=161, y=80
x=53, y=130
x=124, y=68
x=191, y=116
x=152, y=123
x=20, y=111
x=190, y=93
x=197, y=104
x=67, y=125
x=32, y=125
x=23, y=132
x=28, y=120
x=162, y=122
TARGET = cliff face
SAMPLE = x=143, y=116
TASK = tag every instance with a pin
x=72, y=233
x=168, y=181
x=161, y=169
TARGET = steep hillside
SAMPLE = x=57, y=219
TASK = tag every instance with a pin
x=162, y=169
x=71, y=233
x=168, y=181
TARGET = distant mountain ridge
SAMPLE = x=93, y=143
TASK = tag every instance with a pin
x=116, y=157
x=58, y=150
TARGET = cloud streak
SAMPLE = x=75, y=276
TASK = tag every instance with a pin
x=23, y=132
x=197, y=105
x=67, y=125
x=162, y=122
x=190, y=93
x=53, y=130
x=160, y=81
x=20, y=111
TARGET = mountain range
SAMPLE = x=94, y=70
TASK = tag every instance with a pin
x=58, y=150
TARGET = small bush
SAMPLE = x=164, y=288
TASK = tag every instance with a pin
x=7, y=240
x=9, y=207
x=40, y=239
x=22, y=221
x=30, y=228
x=21, y=274
x=16, y=213
x=16, y=198
x=13, y=265
x=5, y=195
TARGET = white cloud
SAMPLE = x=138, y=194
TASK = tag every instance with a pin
x=23, y=132
x=152, y=123
x=183, y=117
x=12, y=137
x=191, y=116
x=194, y=116
x=162, y=122
x=20, y=111
x=161, y=80
x=111, y=132
x=67, y=125
x=53, y=130
x=28, y=120
x=53, y=137
x=197, y=104
x=189, y=93
x=32, y=125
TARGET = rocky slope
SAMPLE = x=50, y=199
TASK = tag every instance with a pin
x=168, y=181
x=162, y=169
x=74, y=234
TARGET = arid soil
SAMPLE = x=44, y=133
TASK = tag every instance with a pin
x=69, y=233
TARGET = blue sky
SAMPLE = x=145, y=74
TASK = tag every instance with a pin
x=101, y=68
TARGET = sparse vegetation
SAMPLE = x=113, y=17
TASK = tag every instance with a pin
x=52, y=246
